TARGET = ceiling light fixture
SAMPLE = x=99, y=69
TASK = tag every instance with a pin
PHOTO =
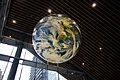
x=14, y=21
x=10, y=36
x=83, y=64
x=100, y=48
x=49, y=10
x=94, y=5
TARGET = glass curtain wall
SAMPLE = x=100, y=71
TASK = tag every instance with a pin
x=24, y=72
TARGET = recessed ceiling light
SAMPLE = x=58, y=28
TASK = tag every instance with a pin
x=10, y=36
x=94, y=5
x=100, y=48
x=49, y=10
x=14, y=21
x=83, y=63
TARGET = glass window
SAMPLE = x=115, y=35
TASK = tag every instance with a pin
x=23, y=54
x=23, y=72
x=26, y=55
x=3, y=64
x=7, y=49
x=53, y=75
x=5, y=68
x=18, y=73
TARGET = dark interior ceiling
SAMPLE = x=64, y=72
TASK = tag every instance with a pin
x=100, y=28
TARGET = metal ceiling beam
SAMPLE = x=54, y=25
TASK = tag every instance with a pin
x=16, y=30
x=5, y=6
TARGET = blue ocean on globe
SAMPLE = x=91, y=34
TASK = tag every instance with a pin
x=56, y=38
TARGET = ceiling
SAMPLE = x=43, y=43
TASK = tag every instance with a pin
x=99, y=55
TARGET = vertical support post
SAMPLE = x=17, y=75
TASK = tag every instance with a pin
x=58, y=71
x=46, y=71
x=14, y=66
x=3, y=14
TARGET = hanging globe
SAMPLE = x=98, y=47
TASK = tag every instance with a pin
x=56, y=38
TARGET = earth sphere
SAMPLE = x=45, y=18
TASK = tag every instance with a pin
x=56, y=38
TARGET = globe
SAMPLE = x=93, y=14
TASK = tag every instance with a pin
x=56, y=38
